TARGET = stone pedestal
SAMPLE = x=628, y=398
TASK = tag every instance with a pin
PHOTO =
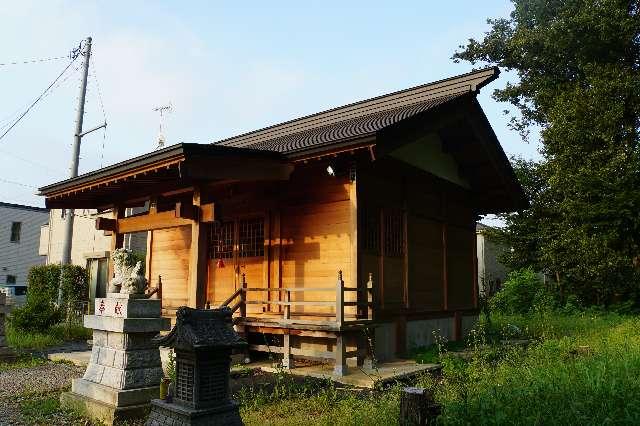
x=124, y=372
x=203, y=341
x=6, y=353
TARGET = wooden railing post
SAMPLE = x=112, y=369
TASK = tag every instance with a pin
x=243, y=297
x=370, y=304
x=286, y=312
x=340, y=300
x=340, y=367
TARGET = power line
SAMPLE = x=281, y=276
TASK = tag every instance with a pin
x=33, y=61
x=17, y=183
x=8, y=120
x=37, y=99
x=33, y=163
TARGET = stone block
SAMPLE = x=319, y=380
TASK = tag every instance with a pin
x=105, y=413
x=128, y=308
x=125, y=359
x=127, y=325
x=114, y=397
x=124, y=341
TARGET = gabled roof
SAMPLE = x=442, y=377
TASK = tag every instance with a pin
x=360, y=119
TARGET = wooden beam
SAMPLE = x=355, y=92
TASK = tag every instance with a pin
x=207, y=213
x=197, y=286
x=186, y=211
x=150, y=222
x=106, y=224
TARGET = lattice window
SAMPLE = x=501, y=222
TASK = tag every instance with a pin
x=251, y=237
x=371, y=230
x=221, y=241
x=184, y=381
x=393, y=234
x=213, y=385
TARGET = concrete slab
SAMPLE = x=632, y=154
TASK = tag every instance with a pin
x=80, y=358
x=358, y=376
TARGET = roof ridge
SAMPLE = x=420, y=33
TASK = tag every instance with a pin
x=351, y=109
x=23, y=207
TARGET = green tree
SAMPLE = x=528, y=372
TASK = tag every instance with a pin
x=578, y=66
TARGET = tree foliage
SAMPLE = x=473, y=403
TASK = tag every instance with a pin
x=578, y=64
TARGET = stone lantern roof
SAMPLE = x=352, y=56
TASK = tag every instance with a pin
x=202, y=329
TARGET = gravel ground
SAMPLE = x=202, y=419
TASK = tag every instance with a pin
x=49, y=377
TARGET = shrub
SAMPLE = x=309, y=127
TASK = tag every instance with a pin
x=521, y=293
x=44, y=280
x=75, y=284
x=37, y=315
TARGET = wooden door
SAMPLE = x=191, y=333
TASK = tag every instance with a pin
x=237, y=246
x=222, y=277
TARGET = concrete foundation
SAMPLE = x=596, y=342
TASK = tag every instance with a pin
x=98, y=410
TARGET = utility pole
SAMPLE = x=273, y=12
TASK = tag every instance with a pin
x=84, y=50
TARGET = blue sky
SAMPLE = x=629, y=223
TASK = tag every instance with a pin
x=226, y=67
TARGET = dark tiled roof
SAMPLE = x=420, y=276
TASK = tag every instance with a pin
x=360, y=119
x=23, y=207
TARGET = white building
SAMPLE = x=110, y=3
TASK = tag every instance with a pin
x=90, y=247
x=19, y=235
x=490, y=271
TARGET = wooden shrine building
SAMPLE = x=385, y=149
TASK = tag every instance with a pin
x=331, y=236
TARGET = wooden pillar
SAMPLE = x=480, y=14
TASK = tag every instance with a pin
x=243, y=296
x=287, y=361
x=445, y=272
x=340, y=368
x=340, y=300
x=474, y=260
x=457, y=326
x=353, y=218
x=197, y=285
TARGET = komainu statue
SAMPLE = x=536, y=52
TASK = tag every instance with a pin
x=129, y=277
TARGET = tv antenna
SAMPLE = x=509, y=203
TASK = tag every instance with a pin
x=162, y=110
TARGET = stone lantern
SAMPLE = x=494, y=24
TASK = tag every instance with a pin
x=202, y=340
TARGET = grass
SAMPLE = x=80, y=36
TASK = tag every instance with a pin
x=577, y=369
x=45, y=409
x=290, y=401
x=56, y=335
x=27, y=361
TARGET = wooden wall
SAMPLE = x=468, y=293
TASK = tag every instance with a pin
x=308, y=235
x=170, y=258
x=315, y=226
x=436, y=271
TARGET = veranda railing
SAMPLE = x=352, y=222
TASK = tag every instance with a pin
x=364, y=302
